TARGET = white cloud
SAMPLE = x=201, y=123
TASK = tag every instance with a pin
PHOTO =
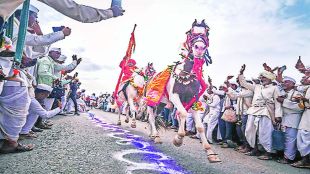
x=242, y=32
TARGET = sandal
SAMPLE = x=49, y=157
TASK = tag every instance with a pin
x=252, y=153
x=213, y=158
x=301, y=164
x=194, y=137
x=27, y=136
x=19, y=148
x=265, y=157
x=284, y=161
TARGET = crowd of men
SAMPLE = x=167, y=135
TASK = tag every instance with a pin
x=267, y=117
x=39, y=86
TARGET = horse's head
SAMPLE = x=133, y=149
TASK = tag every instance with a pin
x=139, y=77
x=197, y=42
x=149, y=70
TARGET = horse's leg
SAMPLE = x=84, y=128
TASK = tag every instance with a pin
x=127, y=113
x=154, y=134
x=212, y=157
x=133, y=111
x=119, y=116
x=178, y=139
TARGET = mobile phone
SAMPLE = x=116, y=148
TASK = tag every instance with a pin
x=55, y=29
x=116, y=3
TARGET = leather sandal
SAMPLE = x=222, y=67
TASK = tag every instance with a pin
x=19, y=148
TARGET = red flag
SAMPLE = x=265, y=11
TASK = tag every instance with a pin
x=131, y=45
x=130, y=50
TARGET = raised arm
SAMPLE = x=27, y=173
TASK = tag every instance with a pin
x=82, y=13
x=243, y=82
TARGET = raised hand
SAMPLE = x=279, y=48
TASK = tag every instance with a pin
x=266, y=67
x=79, y=60
x=74, y=57
x=59, y=105
x=242, y=69
x=66, y=31
x=117, y=11
x=229, y=77
x=300, y=65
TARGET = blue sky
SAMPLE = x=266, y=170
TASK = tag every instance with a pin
x=247, y=32
x=300, y=9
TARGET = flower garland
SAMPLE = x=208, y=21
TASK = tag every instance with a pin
x=197, y=106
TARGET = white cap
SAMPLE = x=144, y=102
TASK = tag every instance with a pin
x=45, y=87
x=55, y=49
x=286, y=78
x=31, y=8
x=62, y=58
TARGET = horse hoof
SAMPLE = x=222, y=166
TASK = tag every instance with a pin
x=157, y=140
x=177, y=141
x=126, y=121
x=207, y=146
x=182, y=134
x=119, y=123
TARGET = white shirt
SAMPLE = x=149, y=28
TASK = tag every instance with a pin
x=36, y=109
x=291, y=111
x=264, y=101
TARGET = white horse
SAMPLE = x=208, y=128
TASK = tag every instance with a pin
x=128, y=94
x=132, y=92
x=185, y=85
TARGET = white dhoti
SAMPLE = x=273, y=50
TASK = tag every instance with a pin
x=190, y=123
x=261, y=126
x=14, y=105
x=290, y=143
x=30, y=121
x=69, y=106
x=303, y=142
x=81, y=105
x=211, y=120
x=35, y=111
x=63, y=102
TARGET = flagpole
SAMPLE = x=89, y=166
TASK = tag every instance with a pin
x=124, y=64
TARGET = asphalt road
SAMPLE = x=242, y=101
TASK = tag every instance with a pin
x=80, y=144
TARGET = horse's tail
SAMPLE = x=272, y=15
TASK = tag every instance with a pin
x=160, y=123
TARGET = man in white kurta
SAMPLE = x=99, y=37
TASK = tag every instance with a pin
x=303, y=135
x=211, y=119
x=36, y=110
x=264, y=112
x=291, y=118
x=15, y=98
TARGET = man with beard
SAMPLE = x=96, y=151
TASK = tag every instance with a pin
x=265, y=112
x=291, y=118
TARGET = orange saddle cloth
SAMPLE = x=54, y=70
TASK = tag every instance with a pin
x=157, y=87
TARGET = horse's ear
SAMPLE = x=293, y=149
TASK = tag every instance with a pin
x=203, y=22
x=194, y=23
